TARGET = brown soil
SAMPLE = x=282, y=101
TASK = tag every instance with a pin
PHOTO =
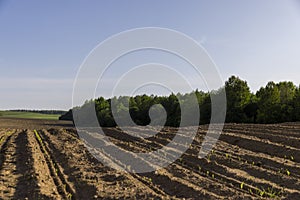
x=46, y=160
x=14, y=123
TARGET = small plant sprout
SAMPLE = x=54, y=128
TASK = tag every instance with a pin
x=288, y=172
x=213, y=176
x=147, y=179
x=242, y=185
x=292, y=158
x=261, y=193
x=69, y=196
x=272, y=193
x=250, y=191
x=180, y=159
x=208, y=157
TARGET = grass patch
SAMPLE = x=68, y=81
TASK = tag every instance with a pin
x=28, y=115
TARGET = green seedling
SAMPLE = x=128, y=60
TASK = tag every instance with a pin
x=272, y=193
x=250, y=191
x=69, y=196
x=261, y=193
x=242, y=185
x=258, y=191
x=147, y=179
x=208, y=158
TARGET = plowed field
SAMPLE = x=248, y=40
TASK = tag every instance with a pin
x=47, y=160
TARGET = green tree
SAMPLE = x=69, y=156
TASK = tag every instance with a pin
x=205, y=109
x=287, y=93
x=238, y=96
x=103, y=111
x=251, y=109
x=296, y=105
x=271, y=104
x=268, y=103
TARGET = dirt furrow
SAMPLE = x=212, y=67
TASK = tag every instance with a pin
x=280, y=139
x=256, y=181
x=250, y=158
x=8, y=176
x=63, y=187
x=17, y=176
x=27, y=185
x=284, y=180
x=257, y=174
x=90, y=175
x=180, y=174
x=270, y=130
x=44, y=175
x=256, y=145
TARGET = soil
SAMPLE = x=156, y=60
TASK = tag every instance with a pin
x=42, y=159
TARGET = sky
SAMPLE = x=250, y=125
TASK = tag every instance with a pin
x=44, y=43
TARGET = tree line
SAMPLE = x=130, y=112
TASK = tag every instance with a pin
x=274, y=103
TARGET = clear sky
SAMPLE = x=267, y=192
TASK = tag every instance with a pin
x=43, y=43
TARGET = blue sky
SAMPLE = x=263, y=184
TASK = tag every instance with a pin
x=43, y=43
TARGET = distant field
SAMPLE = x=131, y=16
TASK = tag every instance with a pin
x=28, y=115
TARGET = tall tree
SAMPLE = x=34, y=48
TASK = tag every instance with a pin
x=251, y=109
x=296, y=105
x=287, y=93
x=268, y=103
x=238, y=96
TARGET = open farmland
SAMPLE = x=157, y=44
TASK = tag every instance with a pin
x=46, y=160
x=28, y=115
